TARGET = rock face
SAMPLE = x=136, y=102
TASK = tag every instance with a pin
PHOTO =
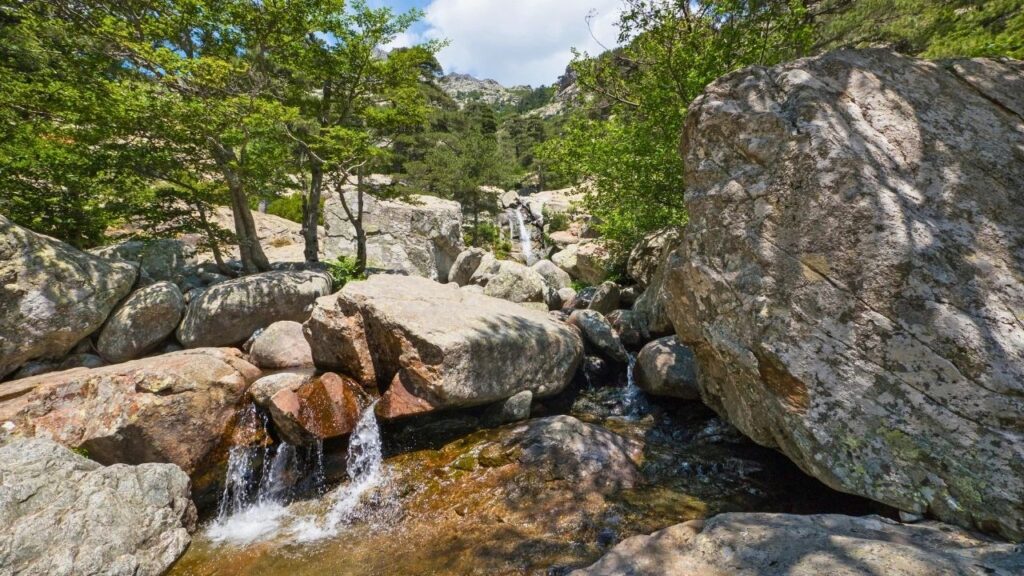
x=228, y=313
x=665, y=367
x=165, y=259
x=422, y=237
x=51, y=295
x=142, y=322
x=173, y=408
x=771, y=544
x=554, y=276
x=650, y=253
x=61, y=513
x=281, y=345
x=517, y=283
x=433, y=348
x=599, y=335
x=851, y=277
x=465, y=265
x=587, y=262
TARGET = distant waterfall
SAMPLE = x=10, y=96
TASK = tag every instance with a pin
x=634, y=402
x=525, y=238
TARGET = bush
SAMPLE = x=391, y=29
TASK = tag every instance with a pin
x=290, y=208
x=556, y=221
x=344, y=270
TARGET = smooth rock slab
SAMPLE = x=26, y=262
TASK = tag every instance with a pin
x=142, y=322
x=52, y=295
x=173, y=408
x=741, y=544
x=228, y=313
x=851, y=275
x=61, y=513
x=434, y=348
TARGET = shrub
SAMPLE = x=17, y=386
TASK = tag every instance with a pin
x=344, y=270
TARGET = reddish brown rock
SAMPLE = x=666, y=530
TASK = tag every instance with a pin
x=173, y=408
x=326, y=407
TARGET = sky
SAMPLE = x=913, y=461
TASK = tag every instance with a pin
x=511, y=41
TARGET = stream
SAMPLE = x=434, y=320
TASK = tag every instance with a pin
x=440, y=496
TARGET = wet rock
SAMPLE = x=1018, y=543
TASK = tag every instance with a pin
x=584, y=297
x=421, y=237
x=433, y=348
x=322, y=408
x=650, y=253
x=173, y=408
x=228, y=313
x=142, y=322
x=588, y=262
x=667, y=368
x=513, y=409
x=65, y=514
x=465, y=265
x=598, y=333
x=281, y=345
x=517, y=283
x=52, y=295
x=554, y=276
x=741, y=544
x=592, y=457
x=891, y=364
x=606, y=298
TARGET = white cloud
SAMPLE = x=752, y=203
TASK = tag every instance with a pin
x=517, y=41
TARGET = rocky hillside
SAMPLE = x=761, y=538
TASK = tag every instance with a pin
x=464, y=89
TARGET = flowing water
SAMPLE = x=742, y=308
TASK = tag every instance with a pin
x=440, y=498
x=525, y=238
x=633, y=398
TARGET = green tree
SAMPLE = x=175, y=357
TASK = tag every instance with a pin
x=357, y=102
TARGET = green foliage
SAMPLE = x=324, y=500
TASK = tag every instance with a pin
x=344, y=270
x=290, y=208
x=579, y=285
x=556, y=221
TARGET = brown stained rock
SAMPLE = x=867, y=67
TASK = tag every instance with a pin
x=174, y=408
x=323, y=408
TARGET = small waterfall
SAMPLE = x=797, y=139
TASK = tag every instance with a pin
x=634, y=402
x=260, y=482
x=525, y=238
x=365, y=461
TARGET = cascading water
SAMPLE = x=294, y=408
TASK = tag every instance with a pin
x=365, y=462
x=260, y=481
x=525, y=238
x=634, y=402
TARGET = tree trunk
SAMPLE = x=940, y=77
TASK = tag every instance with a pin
x=357, y=223
x=311, y=213
x=214, y=244
x=253, y=258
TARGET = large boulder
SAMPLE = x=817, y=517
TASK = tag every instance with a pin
x=142, y=322
x=61, y=513
x=173, y=408
x=851, y=275
x=422, y=236
x=52, y=295
x=588, y=262
x=465, y=265
x=665, y=367
x=161, y=259
x=599, y=335
x=228, y=313
x=433, y=348
x=321, y=408
x=744, y=544
x=281, y=345
x=554, y=276
x=652, y=305
x=649, y=254
x=606, y=298
x=517, y=283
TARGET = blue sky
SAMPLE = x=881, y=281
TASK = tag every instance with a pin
x=511, y=41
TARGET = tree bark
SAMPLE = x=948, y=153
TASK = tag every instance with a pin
x=358, y=225
x=253, y=258
x=311, y=213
